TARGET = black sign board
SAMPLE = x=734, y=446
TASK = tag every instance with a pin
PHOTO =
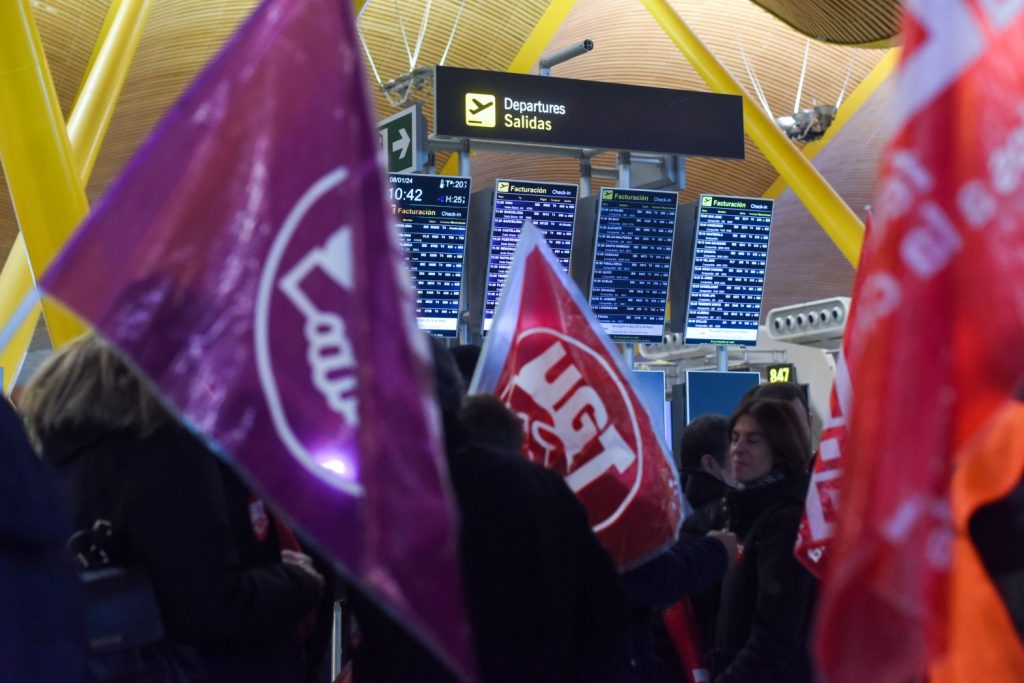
x=782, y=372
x=432, y=212
x=730, y=255
x=632, y=258
x=551, y=207
x=569, y=112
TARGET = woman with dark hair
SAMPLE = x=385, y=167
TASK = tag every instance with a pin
x=767, y=596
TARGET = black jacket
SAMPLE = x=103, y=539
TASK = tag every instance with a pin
x=692, y=568
x=706, y=496
x=184, y=516
x=544, y=601
x=42, y=622
x=686, y=568
x=767, y=596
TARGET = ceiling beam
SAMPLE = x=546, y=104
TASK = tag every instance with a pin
x=824, y=203
x=46, y=188
x=529, y=54
x=83, y=135
x=851, y=106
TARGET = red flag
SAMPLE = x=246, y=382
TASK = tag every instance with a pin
x=941, y=313
x=549, y=360
x=821, y=509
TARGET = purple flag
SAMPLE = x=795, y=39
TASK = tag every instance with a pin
x=246, y=262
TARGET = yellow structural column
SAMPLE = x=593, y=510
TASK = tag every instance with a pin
x=16, y=285
x=94, y=107
x=86, y=128
x=45, y=188
x=828, y=208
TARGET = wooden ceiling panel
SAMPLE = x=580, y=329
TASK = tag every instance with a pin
x=180, y=37
x=840, y=21
x=638, y=52
x=68, y=30
x=488, y=36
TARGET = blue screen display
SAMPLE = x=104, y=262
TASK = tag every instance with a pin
x=730, y=256
x=710, y=391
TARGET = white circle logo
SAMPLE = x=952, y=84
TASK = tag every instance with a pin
x=304, y=353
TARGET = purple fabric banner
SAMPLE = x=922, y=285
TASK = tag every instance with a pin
x=247, y=263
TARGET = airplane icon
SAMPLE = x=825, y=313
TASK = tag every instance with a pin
x=480, y=110
x=480, y=106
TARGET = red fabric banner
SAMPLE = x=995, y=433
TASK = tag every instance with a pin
x=549, y=360
x=940, y=316
x=821, y=511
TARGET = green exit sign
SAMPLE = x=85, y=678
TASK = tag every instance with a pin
x=401, y=138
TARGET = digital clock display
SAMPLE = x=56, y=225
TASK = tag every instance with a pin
x=405, y=194
x=432, y=212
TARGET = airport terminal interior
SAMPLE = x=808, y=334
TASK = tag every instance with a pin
x=638, y=223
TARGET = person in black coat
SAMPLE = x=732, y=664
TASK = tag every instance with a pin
x=706, y=473
x=692, y=566
x=767, y=597
x=223, y=584
x=543, y=599
x=42, y=619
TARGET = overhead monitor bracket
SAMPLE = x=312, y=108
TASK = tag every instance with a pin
x=563, y=55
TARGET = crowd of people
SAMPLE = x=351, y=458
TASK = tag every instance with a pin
x=101, y=468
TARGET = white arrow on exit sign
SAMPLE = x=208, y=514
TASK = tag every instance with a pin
x=401, y=145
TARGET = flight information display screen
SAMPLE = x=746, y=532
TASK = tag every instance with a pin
x=730, y=256
x=632, y=259
x=551, y=207
x=432, y=212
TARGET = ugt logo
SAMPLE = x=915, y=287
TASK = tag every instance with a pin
x=579, y=420
x=304, y=351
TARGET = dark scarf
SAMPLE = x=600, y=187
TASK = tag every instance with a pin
x=772, y=477
x=744, y=506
